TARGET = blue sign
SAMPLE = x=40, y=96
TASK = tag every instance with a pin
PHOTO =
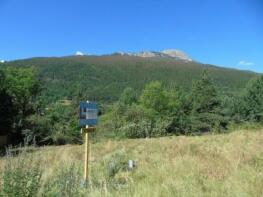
x=88, y=114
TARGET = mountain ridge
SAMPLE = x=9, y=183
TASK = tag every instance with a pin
x=103, y=78
x=167, y=53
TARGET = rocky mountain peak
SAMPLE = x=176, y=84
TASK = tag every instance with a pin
x=167, y=53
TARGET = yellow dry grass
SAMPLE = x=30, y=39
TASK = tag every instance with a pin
x=212, y=165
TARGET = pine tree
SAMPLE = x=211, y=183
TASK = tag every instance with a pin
x=206, y=106
x=253, y=100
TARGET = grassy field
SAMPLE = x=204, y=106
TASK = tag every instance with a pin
x=211, y=165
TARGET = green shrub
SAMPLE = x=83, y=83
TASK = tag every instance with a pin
x=21, y=177
x=162, y=127
x=114, y=164
x=137, y=130
x=67, y=181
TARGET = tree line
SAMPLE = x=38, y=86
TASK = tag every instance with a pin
x=158, y=110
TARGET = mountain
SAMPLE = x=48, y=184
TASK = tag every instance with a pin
x=168, y=53
x=103, y=78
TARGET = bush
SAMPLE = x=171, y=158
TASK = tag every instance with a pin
x=21, y=177
x=66, y=182
x=141, y=129
x=162, y=127
x=114, y=165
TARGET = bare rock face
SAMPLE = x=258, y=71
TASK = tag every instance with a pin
x=147, y=54
x=168, y=53
x=176, y=54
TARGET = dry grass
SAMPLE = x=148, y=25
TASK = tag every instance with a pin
x=212, y=165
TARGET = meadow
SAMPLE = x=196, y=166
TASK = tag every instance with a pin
x=209, y=165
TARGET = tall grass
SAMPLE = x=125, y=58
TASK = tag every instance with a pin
x=20, y=176
x=212, y=165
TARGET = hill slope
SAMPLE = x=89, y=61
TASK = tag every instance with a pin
x=104, y=77
x=212, y=165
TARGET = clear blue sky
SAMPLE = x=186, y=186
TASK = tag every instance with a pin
x=223, y=32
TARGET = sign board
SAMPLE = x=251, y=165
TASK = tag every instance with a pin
x=88, y=114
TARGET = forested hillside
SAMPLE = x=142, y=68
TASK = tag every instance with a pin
x=103, y=78
x=137, y=97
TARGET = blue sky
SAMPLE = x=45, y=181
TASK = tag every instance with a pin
x=225, y=32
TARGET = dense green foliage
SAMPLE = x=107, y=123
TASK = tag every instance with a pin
x=205, y=106
x=103, y=78
x=18, y=91
x=26, y=117
x=253, y=100
x=139, y=97
x=161, y=111
x=56, y=125
x=6, y=107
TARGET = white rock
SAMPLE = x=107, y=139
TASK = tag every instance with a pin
x=168, y=53
x=79, y=53
x=176, y=54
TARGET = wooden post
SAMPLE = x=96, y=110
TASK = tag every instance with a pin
x=88, y=118
x=86, y=164
x=86, y=132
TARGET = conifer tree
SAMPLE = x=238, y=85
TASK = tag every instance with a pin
x=205, y=113
x=253, y=100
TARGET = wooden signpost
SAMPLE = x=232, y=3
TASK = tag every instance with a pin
x=88, y=120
